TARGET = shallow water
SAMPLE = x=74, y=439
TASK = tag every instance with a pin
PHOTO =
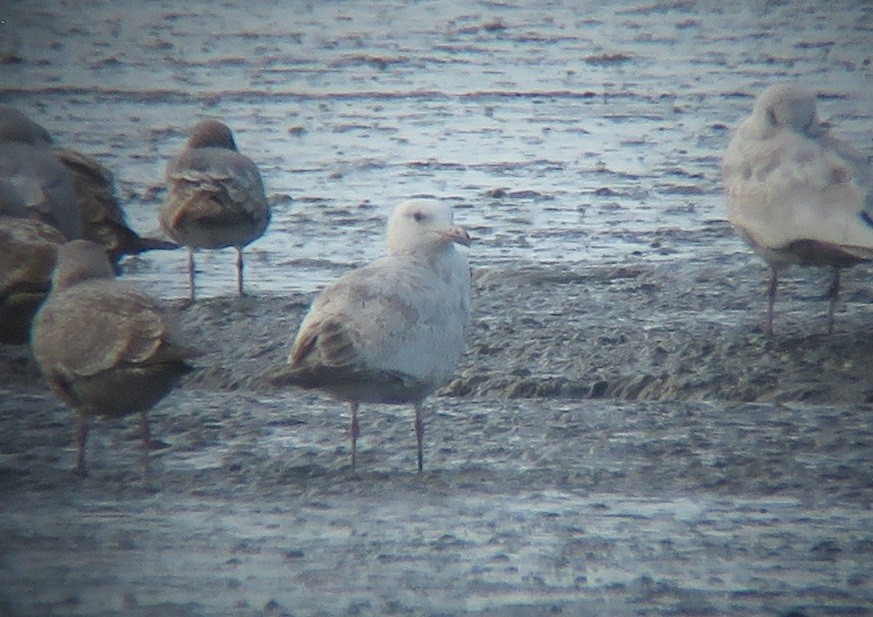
x=568, y=133
x=580, y=142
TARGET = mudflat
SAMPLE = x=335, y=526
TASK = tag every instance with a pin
x=610, y=446
x=621, y=438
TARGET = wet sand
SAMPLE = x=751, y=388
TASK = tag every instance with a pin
x=621, y=438
x=637, y=459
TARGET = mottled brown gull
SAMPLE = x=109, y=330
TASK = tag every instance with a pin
x=795, y=192
x=98, y=213
x=394, y=330
x=27, y=258
x=215, y=197
x=104, y=347
x=28, y=164
x=103, y=220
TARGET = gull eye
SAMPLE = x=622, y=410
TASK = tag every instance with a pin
x=418, y=216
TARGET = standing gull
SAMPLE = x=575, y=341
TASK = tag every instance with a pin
x=392, y=331
x=796, y=193
x=104, y=347
x=216, y=197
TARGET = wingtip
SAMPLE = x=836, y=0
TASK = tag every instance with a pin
x=156, y=244
x=281, y=377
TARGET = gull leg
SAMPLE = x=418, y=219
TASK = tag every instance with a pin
x=419, y=435
x=833, y=294
x=771, y=300
x=146, y=436
x=81, y=441
x=239, y=271
x=191, y=272
x=355, y=431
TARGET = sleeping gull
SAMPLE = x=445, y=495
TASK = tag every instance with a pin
x=795, y=192
x=104, y=347
x=216, y=197
x=391, y=331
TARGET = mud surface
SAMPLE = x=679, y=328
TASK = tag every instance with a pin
x=621, y=438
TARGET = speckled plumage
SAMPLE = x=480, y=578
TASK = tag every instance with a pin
x=392, y=331
x=102, y=217
x=28, y=249
x=795, y=192
x=215, y=196
x=45, y=185
x=104, y=347
x=66, y=188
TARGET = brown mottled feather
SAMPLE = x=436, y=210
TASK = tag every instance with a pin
x=104, y=346
x=28, y=249
x=103, y=219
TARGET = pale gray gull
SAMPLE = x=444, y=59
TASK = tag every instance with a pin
x=795, y=192
x=394, y=330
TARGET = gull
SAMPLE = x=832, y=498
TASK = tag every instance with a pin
x=392, y=331
x=104, y=347
x=216, y=197
x=28, y=164
x=102, y=217
x=27, y=257
x=88, y=182
x=796, y=193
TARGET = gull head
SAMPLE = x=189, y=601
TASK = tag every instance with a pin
x=421, y=225
x=788, y=106
x=211, y=134
x=80, y=260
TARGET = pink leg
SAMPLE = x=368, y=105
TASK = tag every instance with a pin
x=239, y=271
x=833, y=294
x=191, y=272
x=419, y=436
x=146, y=436
x=81, y=442
x=771, y=300
x=355, y=431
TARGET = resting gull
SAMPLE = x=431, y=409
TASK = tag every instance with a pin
x=391, y=331
x=102, y=217
x=88, y=182
x=104, y=347
x=27, y=257
x=215, y=198
x=795, y=192
x=28, y=164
